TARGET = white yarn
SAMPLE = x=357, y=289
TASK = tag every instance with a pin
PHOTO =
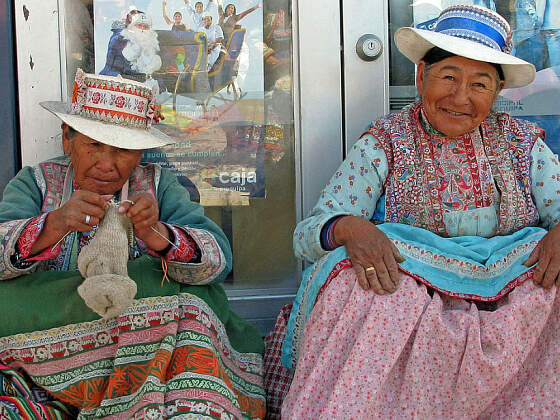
x=107, y=289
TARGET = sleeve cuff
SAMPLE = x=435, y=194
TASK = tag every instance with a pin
x=184, y=248
x=29, y=236
x=328, y=241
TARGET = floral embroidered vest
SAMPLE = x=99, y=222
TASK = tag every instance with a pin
x=411, y=189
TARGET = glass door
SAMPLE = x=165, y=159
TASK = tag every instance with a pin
x=224, y=73
x=263, y=109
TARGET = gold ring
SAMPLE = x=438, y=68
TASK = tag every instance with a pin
x=370, y=269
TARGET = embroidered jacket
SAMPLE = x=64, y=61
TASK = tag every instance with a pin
x=38, y=190
x=493, y=181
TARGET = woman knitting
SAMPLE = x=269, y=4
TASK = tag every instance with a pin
x=167, y=347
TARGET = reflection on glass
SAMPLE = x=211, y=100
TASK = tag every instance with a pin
x=535, y=38
x=222, y=72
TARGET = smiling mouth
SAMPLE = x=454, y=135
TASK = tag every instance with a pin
x=455, y=114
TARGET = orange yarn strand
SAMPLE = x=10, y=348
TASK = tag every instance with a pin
x=164, y=268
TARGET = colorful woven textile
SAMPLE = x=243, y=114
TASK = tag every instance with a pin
x=178, y=350
x=277, y=378
x=21, y=400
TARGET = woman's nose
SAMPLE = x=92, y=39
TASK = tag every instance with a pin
x=461, y=93
x=106, y=160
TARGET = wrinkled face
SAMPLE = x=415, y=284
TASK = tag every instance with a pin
x=230, y=9
x=458, y=93
x=198, y=7
x=177, y=17
x=207, y=20
x=98, y=167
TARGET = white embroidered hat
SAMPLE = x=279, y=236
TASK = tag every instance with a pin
x=112, y=110
x=473, y=32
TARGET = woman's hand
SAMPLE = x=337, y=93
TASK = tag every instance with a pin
x=143, y=211
x=373, y=255
x=547, y=256
x=80, y=213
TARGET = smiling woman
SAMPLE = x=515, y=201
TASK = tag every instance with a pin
x=458, y=93
x=418, y=303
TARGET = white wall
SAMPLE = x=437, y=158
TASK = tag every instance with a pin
x=39, y=78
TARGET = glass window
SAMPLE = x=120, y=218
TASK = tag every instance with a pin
x=223, y=72
x=535, y=36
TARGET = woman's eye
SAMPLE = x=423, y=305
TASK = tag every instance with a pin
x=480, y=84
x=449, y=77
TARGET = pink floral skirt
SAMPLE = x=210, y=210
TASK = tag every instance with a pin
x=410, y=355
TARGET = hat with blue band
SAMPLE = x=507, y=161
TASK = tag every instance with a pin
x=473, y=32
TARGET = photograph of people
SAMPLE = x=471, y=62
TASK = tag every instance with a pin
x=176, y=23
x=228, y=18
x=215, y=38
x=197, y=11
x=134, y=49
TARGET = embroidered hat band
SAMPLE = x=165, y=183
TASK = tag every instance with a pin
x=119, y=101
x=112, y=110
x=472, y=32
x=476, y=24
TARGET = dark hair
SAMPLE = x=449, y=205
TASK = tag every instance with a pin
x=199, y=2
x=130, y=14
x=437, y=54
x=234, y=9
x=177, y=13
x=70, y=132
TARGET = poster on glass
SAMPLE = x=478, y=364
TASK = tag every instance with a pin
x=536, y=39
x=205, y=59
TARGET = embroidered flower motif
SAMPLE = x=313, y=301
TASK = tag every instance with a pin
x=73, y=346
x=119, y=102
x=200, y=408
x=139, y=321
x=140, y=107
x=103, y=338
x=153, y=413
x=79, y=92
x=41, y=353
x=95, y=97
x=171, y=409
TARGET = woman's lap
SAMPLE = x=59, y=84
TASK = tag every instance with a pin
x=167, y=355
x=409, y=354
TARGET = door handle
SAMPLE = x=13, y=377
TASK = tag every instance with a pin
x=369, y=47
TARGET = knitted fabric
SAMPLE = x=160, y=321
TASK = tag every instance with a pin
x=107, y=289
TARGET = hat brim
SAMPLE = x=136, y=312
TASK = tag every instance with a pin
x=108, y=133
x=415, y=43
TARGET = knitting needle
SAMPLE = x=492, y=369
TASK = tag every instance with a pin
x=163, y=236
x=61, y=239
x=153, y=228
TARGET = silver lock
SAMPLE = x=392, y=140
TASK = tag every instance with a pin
x=369, y=47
